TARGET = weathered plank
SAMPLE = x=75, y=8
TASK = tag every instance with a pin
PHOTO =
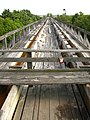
x=35, y=78
x=36, y=104
x=81, y=103
x=29, y=105
x=46, y=50
x=64, y=108
x=44, y=103
x=45, y=70
x=10, y=103
x=46, y=59
x=21, y=102
x=54, y=102
x=72, y=104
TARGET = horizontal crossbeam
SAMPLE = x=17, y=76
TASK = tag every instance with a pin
x=45, y=50
x=38, y=77
x=46, y=59
x=47, y=70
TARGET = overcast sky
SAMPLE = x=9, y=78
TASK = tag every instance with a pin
x=42, y=7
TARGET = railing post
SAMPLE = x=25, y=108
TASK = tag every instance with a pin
x=28, y=30
x=86, y=40
x=23, y=32
x=29, y=64
x=13, y=39
x=4, y=43
x=19, y=36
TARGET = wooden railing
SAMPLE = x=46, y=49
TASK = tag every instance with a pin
x=44, y=76
x=17, y=35
x=80, y=35
x=29, y=59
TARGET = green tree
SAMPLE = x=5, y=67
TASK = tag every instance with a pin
x=9, y=25
x=1, y=26
x=6, y=13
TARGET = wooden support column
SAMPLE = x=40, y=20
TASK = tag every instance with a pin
x=19, y=36
x=28, y=30
x=86, y=40
x=29, y=64
x=13, y=39
x=4, y=43
x=23, y=34
x=80, y=38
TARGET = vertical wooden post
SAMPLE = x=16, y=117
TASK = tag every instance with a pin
x=23, y=32
x=29, y=64
x=13, y=39
x=28, y=30
x=80, y=38
x=86, y=40
x=4, y=43
x=19, y=36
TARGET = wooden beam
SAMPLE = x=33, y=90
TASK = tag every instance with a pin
x=10, y=103
x=46, y=59
x=34, y=78
x=39, y=80
x=46, y=50
x=46, y=70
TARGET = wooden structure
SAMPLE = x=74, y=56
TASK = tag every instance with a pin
x=42, y=101
x=31, y=76
x=18, y=35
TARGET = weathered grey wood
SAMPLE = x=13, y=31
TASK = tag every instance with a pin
x=82, y=104
x=13, y=39
x=74, y=27
x=64, y=108
x=4, y=43
x=72, y=106
x=46, y=59
x=54, y=103
x=44, y=103
x=10, y=103
x=45, y=71
x=85, y=66
x=23, y=32
x=29, y=105
x=21, y=102
x=46, y=50
x=37, y=103
x=35, y=78
x=19, y=35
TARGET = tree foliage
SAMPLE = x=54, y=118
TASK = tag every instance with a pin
x=12, y=20
x=79, y=19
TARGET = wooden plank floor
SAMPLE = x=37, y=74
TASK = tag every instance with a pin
x=48, y=102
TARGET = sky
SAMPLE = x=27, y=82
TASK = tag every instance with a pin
x=42, y=7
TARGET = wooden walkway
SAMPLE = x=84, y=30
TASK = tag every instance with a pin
x=51, y=102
